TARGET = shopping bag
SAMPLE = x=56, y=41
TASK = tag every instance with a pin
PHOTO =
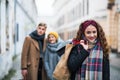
x=61, y=71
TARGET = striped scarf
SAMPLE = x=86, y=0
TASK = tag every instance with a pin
x=91, y=68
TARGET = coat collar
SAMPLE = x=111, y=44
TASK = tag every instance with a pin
x=36, y=44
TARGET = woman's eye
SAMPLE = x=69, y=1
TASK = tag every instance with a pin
x=88, y=32
x=94, y=31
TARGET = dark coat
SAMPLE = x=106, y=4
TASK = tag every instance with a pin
x=76, y=59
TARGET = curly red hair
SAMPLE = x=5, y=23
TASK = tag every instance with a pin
x=101, y=34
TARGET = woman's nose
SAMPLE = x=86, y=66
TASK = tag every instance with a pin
x=92, y=34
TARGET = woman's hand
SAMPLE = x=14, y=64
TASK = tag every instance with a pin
x=84, y=44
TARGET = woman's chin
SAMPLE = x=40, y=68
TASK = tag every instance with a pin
x=91, y=41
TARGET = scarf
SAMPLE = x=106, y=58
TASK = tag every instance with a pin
x=52, y=57
x=52, y=47
x=39, y=39
x=56, y=46
x=91, y=68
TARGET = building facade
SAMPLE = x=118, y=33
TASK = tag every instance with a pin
x=17, y=18
x=70, y=16
x=114, y=23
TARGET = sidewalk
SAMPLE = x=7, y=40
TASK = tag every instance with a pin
x=16, y=66
x=115, y=61
x=114, y=64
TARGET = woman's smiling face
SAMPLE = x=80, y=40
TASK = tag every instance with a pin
x=52, y=39
x=91, y=33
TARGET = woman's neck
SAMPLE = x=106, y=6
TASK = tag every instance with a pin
x=91, y=45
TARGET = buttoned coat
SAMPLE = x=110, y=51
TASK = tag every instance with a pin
x=30, y=58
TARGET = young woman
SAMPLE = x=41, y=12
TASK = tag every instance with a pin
x=54, y=43
x=89, y=59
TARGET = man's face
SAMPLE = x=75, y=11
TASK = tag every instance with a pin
x=41, y=30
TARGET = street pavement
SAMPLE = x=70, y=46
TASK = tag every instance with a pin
x=16, y=66
x=114, y=68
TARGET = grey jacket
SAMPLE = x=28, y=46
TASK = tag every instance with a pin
x=51, y=57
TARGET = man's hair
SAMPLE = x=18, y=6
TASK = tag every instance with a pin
x=42, y=24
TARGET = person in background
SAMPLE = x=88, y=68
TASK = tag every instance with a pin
x=32, y=54
x=54, y=43
x=89, y=59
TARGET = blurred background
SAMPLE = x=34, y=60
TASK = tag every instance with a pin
x=19, y=17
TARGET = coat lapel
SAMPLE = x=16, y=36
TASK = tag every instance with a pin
x=36, y=44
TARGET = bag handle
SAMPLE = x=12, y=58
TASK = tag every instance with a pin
x=67, y=50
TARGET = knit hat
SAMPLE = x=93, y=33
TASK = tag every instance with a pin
x=55, y=34
x=86, y=23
